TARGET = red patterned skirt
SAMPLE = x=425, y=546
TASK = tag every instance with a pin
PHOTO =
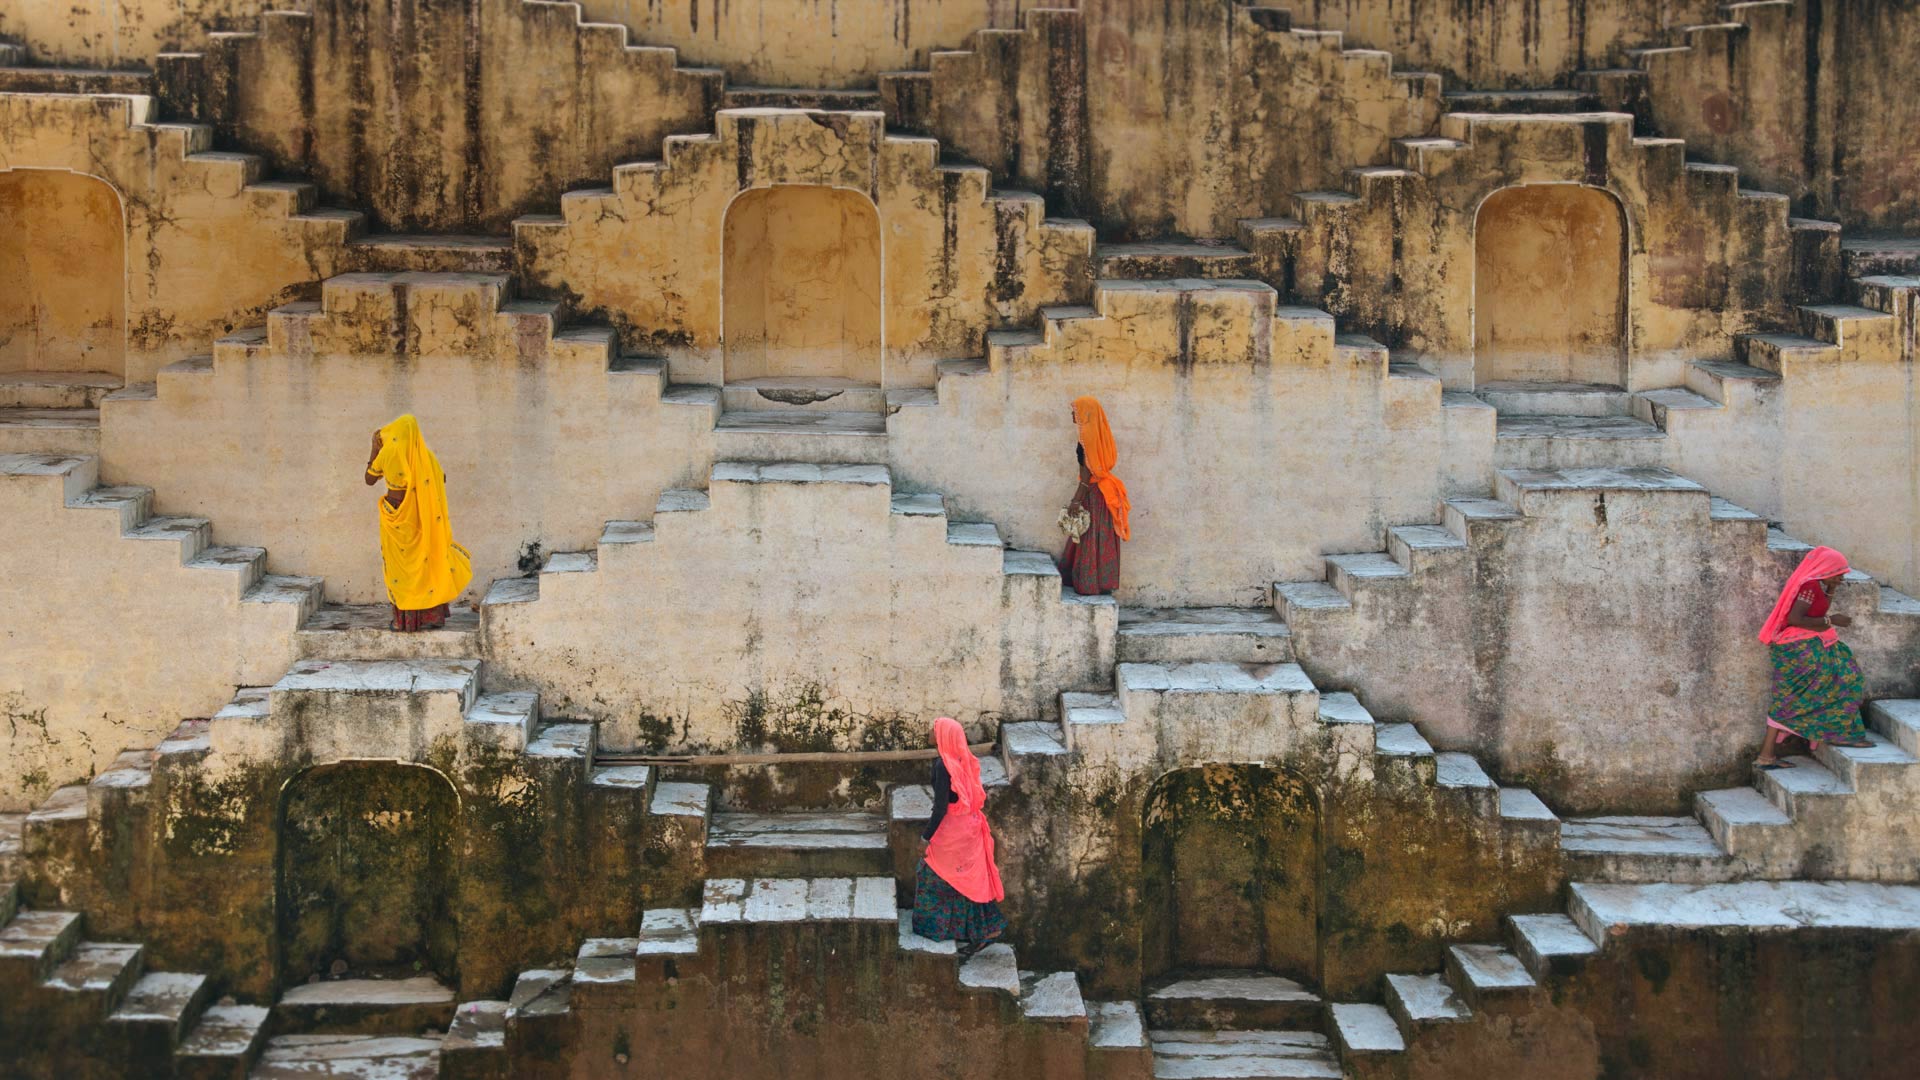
x=432, y=618
x=1092, y=563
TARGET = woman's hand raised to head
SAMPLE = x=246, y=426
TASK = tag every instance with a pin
x=376, y=446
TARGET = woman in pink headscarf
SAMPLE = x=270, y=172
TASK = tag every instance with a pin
x=1817, y=688
x=957, y=888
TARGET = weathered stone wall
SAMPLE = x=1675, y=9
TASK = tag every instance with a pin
x=125, y=33
x=955, y=262
x=64, y=250
x=1494, y=43
x=1800, y=96
x=1249, y=441
x=1598, y=646
x=818, y=43
x=588, y=439
x=207, y=248
x=800, y=611
x=440, y=117
x=107, y=641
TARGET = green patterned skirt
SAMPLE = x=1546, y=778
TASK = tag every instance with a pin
x=1817, y=691
x=940, y=913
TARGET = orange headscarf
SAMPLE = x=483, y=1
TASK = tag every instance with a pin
x=1096, y=438
x=1819, y=564
x=961, y=850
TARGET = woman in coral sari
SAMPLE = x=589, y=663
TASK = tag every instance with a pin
x=425, y=569
x=1817, y=687
x=957, y=888
x=1091, y=563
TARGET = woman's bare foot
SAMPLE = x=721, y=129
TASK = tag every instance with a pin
x=1772, y=763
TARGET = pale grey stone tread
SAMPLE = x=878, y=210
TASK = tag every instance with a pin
x=1458, y=770
x=1033, y=737
x=910, y=802
x=992, y=968
x=421, y=676
x=227, y=1030
x=477, y=1025
x=94, y=967
x=62, y=804
x=973, y=534
x=803, y=422
x=1400, y=740
x=1232, y=986
x=37, y=935
x=1625, y=835
x=541, y=992
x=622, y=777
x=1085, y=708
x=349, y=1057
x=1603, y=909
x=1521, y=804
x=673, y=798
x=1426, y=999
x=1490, y=967
x=419, y=990
x=1115, y=1025
x=1545, y=938
x=780, y=900
x=668, y=932
x=168, y=997
x=1051, y=996
x=1741, y=806
x=562, y=741
x=1342, y=707
x=918, y=505
x=1311, y=596
x=1018, y=563
x=1366, y=1029
x=1215, y=677
x=799, y=830
x=605, y=961
x=1194, y=1055
x=1200, y=622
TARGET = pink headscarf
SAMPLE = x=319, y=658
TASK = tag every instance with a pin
x=1819, y=564
x=961, y=850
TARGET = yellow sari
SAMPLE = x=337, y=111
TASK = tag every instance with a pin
x=424, y=567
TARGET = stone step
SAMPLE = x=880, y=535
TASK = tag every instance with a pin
x=157, y=1012
x=1115, y=1027
x=791, y=97
x=1177, y=258
x=1520, y=101
x=789, y=900
x=1238, y=1000
x=374, y=708
x=226, y=1041
x=55, y=389
x=1029, y=743
x=34, y=943
x=1555, y=399
x=1418, y=1000
x=1401, y=740
x=1202, y=1054
x=1193, y=635
x=364, y=1007
x=1748, y=827
x=365, y=632
x=99, y=974
x=349, y=1057
x=1549, y=945
x=993, y=969
x=1604, y=911
x=1801, y=789
x=1361, y=1030
x=1576, y=442
x=477, y=1034
x=1051, y=997
x=1657, y=407
x=542, y=993
x=1351, y=573
x=1641, y=849
x=802, y=435
x=1899, y=720
x=49, y=431
x=396, y=253
x=798, y=845
x=813, y=394
x=1482, y=973
x=1882, y=767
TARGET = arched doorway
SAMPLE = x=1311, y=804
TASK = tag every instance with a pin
x=63, y=261
x=1231, y=873
x=366, y=874
x=801, y=292
x=1549, y=292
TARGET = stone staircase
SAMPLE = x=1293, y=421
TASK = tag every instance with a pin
x=52, y=412
x=1499, y=983
x=1207, y=1024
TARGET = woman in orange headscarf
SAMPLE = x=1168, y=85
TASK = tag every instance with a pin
x=1099, y=510
x=1817, y=687
x=424, y=569
x=957, y=888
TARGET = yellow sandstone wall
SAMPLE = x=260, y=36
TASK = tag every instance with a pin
x=124, y=33
x=63, y=255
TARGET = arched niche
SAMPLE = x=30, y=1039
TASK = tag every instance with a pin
x=366, y=873
x=1549, y=292
x=63, y=244
x=1230, y=873
x=801, y=286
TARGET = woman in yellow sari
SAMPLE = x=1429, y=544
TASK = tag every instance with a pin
x=425, y=569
